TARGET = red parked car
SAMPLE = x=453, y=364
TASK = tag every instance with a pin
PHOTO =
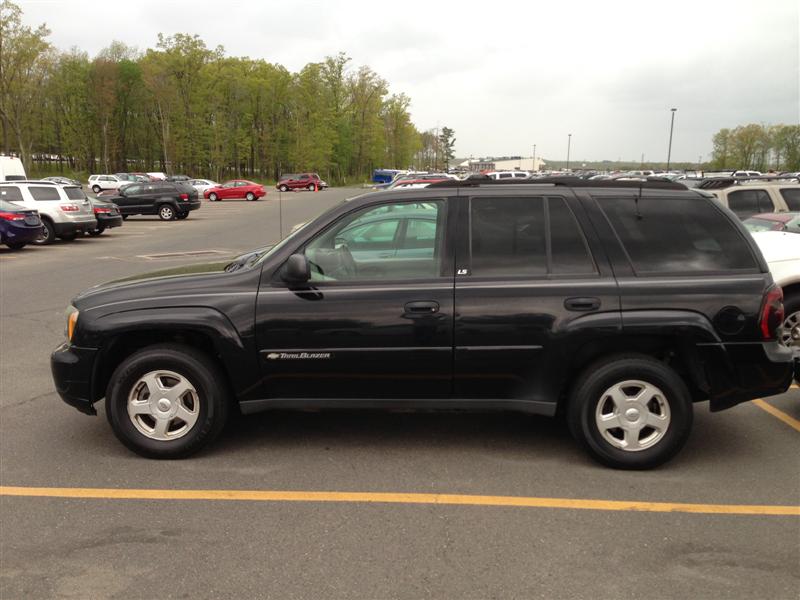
x=301, y=181
x=238, y=188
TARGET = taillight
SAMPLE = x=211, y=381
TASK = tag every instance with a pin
x=100, y=211
x=10, y=216
x=772, y=313
x=70, y=207
x=184, y=196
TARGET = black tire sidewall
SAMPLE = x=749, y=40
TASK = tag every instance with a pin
x=197, y=370
x=587, y=394
x=51, y=234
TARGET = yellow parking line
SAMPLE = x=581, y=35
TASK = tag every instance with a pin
x=398, y=498
x=778, y=414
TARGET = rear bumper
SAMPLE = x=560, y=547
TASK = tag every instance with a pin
x=109, y=222
x=738, y=373
x=75, y=227
x=72, y=369
x=190, y=205
x=20, y=234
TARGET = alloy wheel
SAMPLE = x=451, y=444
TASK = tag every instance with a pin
x=163, y=405
x=633, y=415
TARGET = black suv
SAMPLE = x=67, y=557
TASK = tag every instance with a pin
x=169, y=200
x=616, y=304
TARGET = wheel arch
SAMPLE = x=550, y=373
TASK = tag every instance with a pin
x=119, y=335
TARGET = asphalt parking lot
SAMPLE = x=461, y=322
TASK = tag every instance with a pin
x=353, y=505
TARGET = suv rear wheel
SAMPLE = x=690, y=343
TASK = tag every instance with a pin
x=96, y=189
x=630, y=412
x=167, y=401
x=166, y=212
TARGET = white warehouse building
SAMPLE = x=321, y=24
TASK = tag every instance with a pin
x=506, y=164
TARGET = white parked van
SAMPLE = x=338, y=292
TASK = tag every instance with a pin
x=11, y=169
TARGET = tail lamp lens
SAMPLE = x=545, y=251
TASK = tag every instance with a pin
x=772, y=313
x=70, y=207
x=10, y=216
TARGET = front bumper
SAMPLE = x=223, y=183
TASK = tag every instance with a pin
x=738, y=373
x=72, y=369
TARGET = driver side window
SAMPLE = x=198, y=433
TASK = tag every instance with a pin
x=374, y=244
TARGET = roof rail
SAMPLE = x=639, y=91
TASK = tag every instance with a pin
x=657, y=183
x=714, y=183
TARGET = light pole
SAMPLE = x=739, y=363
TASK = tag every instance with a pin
x=671, y=125
x=533, y=167
x=569, y=143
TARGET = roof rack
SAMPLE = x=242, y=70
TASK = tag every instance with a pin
x=657, y=183
x=715, y=183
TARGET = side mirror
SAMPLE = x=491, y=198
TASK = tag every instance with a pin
x=296, y=270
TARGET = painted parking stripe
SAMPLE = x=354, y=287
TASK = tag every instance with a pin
x=399, y=498
x=778, y=414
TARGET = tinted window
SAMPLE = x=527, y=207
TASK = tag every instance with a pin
x=677, y=235
x=133, y=190
x=11, y=193
x=746, y=203
x=569, y=252
x=44, y=193
x=15, y=178
x=792, y=198
x=508, y=236
x=365, y=245
x=74, y=193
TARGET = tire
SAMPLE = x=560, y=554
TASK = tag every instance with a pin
x=206, y=401
x=16, y=245
x=96, y=232
x=48, y=234
x=125, y=217
x=166, y=212
x=284, y=188
x=182, y=216
x=790, y=330
x=213, y=197
x=68, y=237
x=667, y=401
x=311, y=187
x=250, y=196
x=96, y=189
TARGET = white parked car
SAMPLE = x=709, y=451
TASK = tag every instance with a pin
x=201, y=185
x=782, y=252
x=98, y=183
x=509, y=175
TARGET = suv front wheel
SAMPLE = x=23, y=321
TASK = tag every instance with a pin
x=167, y=401
x=630, y=412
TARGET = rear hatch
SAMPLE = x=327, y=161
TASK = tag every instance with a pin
x=77, y=199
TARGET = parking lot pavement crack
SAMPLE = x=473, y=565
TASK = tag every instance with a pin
x=27, y=401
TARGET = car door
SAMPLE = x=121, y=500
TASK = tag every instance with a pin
x=353, y=334
x=129, y=198
x=529, y=288
x=228, y=190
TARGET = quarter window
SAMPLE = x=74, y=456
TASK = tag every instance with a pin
x=395, y=241
x=746, y=203
x=792, y=197
x=677, y=235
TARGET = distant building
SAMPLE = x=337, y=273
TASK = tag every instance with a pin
x=501, y=164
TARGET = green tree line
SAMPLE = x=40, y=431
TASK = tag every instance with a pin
x=183, y=107
x=758, y=147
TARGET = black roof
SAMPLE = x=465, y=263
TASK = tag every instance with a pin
x=651, y=183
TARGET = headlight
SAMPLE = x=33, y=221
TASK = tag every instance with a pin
x=72, y=321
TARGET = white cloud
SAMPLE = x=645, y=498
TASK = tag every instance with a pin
x=508, y=75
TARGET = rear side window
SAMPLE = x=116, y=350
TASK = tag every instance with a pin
x=677, y=235
x=11, y=193
x=792, y=198
x=746, y=203
x=74, y=193
x=44, y=193
x=509, y=238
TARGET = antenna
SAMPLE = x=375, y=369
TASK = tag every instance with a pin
x=280, y=214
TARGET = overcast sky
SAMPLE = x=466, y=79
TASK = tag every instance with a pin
x=507, y=75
